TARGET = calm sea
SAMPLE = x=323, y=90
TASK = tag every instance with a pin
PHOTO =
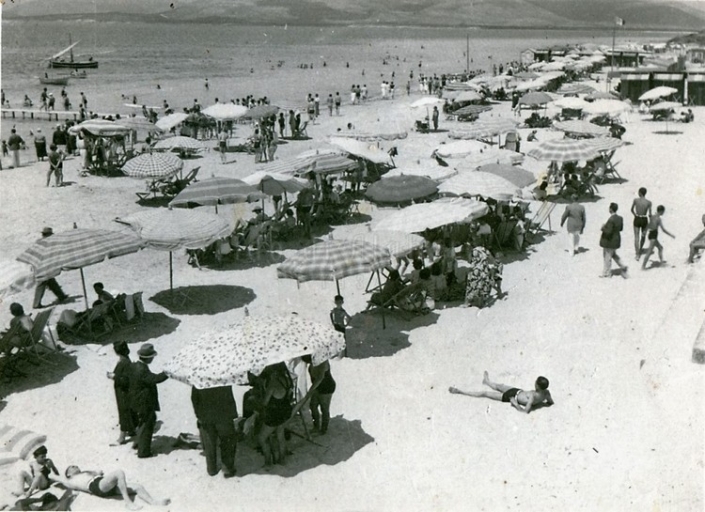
x=262, y=60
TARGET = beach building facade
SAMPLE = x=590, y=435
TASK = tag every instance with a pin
x=689, y=83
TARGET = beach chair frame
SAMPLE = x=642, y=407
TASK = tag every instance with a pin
x=542, y=215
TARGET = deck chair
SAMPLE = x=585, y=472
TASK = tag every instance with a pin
x=83, y=328
x=411, y=299
x=504, y=234
x=536, y=223
x=8, y=358
x=154, y=188
x=610, y=167
x=176, y=186
x=37, y=332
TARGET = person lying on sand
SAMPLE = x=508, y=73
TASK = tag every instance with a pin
x=103, y=486
x=521, y=400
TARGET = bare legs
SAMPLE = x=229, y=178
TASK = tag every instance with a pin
x=117, y=479
x=652, y=245
x=322, y=419
x=639, y=239
x=273, y=444
x=496, y=393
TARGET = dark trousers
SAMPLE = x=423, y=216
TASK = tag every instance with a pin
x=145, y=430
x=222, y=433
x=41, y=288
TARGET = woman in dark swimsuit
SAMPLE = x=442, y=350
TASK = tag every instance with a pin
x=276, y=411
x=321, y=396
x=121, y=379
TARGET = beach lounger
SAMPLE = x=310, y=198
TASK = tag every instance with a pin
x=411, y=299
x=8, y=358
x=542, y=215
x=504, y=234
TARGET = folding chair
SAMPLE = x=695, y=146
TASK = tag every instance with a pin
x=610, y=167
x=504, y=234
x=8, y=358
x=537, y=222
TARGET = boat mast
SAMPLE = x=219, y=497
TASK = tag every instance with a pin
x=70, y=43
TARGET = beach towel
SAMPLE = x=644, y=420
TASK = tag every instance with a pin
x=16, y=444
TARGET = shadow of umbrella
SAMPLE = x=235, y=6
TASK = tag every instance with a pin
x=204, y=300
x=56, y=367
x=153, y=325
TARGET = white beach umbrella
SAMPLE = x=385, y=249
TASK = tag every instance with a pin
x=399, y=244
x=664, y=105
x=362, y=150
x=479, y=183
x=466, y=96
x=225, y=111
x=460, y=148
x=490, y=155
x=570, y=103
x=166, y=123
x=427, y=101
x=607, y=107
x=657, y=92
x=433, y=171
x=419, y=217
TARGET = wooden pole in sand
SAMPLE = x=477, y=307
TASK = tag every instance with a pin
x=467, y=52
x=171, y=274
x=379, y=282
x=83, y=283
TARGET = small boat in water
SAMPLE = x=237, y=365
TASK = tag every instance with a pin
x=78, y=74
x=53, y=80
x=57, y=60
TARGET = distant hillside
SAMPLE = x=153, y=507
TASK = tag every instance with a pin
x=697, y=38
x=671, y=14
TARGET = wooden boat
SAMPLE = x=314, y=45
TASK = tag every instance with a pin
x=54, y=80
x=78, y=74
x=57, y=60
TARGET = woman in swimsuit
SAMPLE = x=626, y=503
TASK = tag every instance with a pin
x=323, y=387
x=276, y=411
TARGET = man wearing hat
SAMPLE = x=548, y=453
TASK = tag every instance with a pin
x=49, y=283
x=144, y=398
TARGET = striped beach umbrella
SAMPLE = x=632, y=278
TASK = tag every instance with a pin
x=472, y=110
x=576, y=88
x=516, y=175
x=170, y=230
x=225, y=111
x=582, y=128
x=400, y=189
x=490, y=155
x=573, y=150
x=419, y=217
x=333, y=260
x=153, y=165
x=479, y=184
x=485, y=128
x=75, y=249
x=275, y=184
x=324, y=163
x=180, y=142
x=535, y=99
x=260, y=111
x=224, y=357
x=15, y=276
x=434, y=172
x=217, y=190
x=399, y=244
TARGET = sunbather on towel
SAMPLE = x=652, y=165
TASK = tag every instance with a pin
x=521, y=400
x=104, y=485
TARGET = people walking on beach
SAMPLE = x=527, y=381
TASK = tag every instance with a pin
x=15, y=143
x=144, y=398
x=434, y=117
x=37, y=476
x=610, y=241
x=84, y=101
x=106, y=485
x=52, y=102
x=655, y=222
x=521, y=400
x=222, y=144
x=329, y=104
x=49, y=283
x=216, y=411
x=56, y=166
x=282, y=124
x=575, y=215
x=40, y=145
x=316, y=106
x=338, y=100
x=121, y=384
x=641, y=209
x=321, y=393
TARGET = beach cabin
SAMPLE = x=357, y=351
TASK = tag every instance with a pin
x=675, y=80
x=625, y=58
x=695, y=87
x=695, y=55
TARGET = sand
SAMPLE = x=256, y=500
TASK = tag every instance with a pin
x=625, y=432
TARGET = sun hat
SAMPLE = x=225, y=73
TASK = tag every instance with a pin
x=146, y=351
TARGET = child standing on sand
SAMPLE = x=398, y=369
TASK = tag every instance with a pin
x=339, y=317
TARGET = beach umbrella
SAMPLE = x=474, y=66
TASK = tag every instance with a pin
x=333, y=260
x=377, y=136
x=427, y=101
x=100, y=127
x=168, y=122
x=582, y=128
x=224, y=357
x=170, y=230
x=576, y=88
x=526, y=75
x=180, y=142
x=471, y=110
x=478, y=184
x=140, y=123
x=536, y=83
x=217, y=190
x=458, y=86
x=435, y=172
x=570, y=103
x=275, y=184
x=398, y=243
x=460, y=148
x=468, y=96
x=664, y=105
x=600, y=95
x=362, y=150
x=661, y=91
x=261, y=111
x=153, y=165
x=324, y=163
x=491, y=155
x=419, y=217
x=400, y=189
x=75, y=249
x=225, y=111
x=485, y=128
x=573, y=150
x=535, y=99
x=15, y=276
x=516, y=175
x=611, y=107
x=556, y=65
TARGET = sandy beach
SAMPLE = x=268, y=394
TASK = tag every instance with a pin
x=625, y=433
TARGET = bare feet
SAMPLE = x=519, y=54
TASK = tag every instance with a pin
x=131, y=505
x=162, y=503
x=486, y=379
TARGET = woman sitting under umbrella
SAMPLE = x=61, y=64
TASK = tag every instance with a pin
x=485, y=275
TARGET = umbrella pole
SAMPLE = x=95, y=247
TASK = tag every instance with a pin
x=171, y=273
x=216, y=209
x=83, y=283
x=379, y=282
x=337, y=286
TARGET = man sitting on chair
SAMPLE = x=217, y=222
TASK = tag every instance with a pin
x=393, y=286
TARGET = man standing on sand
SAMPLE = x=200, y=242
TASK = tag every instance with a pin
x=104, y=485
x=216, y=411
x=434, y=117
x=338, y=101
x=641, y=209
x=144, y=398
x=521, y=400
x=49, y=283
x=56, y=166
x=610, y=241
x=15, y=143
x=222, y=144
x=652, y=227
x=329, y=103
x=575, y=215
